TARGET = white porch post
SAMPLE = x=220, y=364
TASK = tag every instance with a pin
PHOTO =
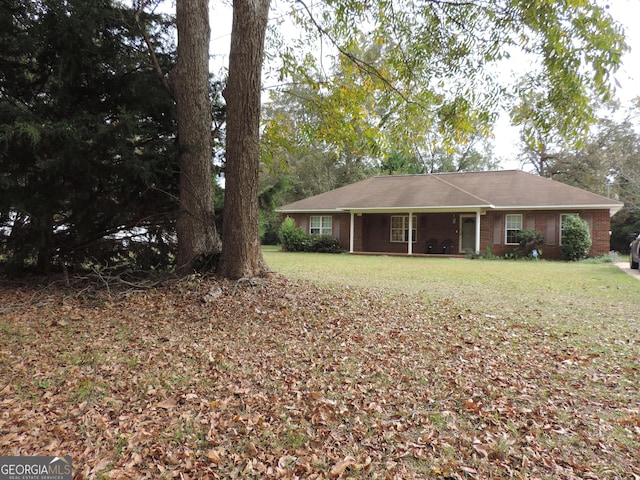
x=352, y=229
x=477, y=249
x=410, y=242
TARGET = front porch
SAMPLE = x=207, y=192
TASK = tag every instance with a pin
x=434, y=234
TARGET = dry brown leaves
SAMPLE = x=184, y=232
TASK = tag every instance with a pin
x=207, y=379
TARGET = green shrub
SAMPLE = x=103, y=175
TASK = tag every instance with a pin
x=325, y=244
x=529, y=241
x=576, y=240
x=294, y=239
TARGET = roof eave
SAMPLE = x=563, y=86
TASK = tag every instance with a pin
x=613, y=208
x=418, y=208
x=308, y=210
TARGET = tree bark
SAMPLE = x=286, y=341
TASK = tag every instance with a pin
x=195, y=227
x=241, y=254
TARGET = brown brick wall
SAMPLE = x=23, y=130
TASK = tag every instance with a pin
x=372, y=231
x=548, y=223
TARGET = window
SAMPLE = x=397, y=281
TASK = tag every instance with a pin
x=400, y=228
x=512, y=226
x=320, y=225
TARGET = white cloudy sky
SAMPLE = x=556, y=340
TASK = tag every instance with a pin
x=627, y=12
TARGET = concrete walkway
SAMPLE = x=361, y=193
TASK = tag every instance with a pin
x=624, y=266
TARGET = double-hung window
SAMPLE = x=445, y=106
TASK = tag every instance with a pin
x=320, y=225
x=400, y=228
x=513, y=225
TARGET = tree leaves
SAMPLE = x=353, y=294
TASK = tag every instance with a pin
x=414, y=76
x=286, y=380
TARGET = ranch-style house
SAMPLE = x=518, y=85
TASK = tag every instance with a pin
x=452, y=213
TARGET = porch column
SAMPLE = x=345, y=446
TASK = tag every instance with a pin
x=410, y=242
x=352, y=229
x=477, y=252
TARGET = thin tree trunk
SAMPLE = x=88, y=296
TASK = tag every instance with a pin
x=197, y=236
x=44, y=225
x=241, y=254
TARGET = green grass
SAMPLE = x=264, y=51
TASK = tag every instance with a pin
x=544, y=292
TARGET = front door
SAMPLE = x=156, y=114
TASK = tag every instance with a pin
x=468, y=234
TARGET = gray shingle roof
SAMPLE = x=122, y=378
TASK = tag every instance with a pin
x=506, y=189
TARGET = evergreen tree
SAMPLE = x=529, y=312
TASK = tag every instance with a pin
x=87, y=133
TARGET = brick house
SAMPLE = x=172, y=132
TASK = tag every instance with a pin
x=452, y=213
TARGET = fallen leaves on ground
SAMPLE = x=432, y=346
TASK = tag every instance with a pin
x=278, y=379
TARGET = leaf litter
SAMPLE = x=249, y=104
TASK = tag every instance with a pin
x=206, y=379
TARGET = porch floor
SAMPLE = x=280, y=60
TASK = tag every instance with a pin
x=422, y=255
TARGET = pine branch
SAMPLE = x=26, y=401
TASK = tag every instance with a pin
x=152, y=54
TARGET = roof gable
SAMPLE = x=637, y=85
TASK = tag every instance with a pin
x=506, y=189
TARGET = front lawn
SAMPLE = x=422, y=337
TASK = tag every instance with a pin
x=595, y=296
x=354, y=367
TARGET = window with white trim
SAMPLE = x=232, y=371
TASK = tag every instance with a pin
x=400, y=228
x=320, y=225
x=512, y=227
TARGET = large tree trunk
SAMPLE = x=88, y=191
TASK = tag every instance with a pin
x=241, y=254
x=197, y=236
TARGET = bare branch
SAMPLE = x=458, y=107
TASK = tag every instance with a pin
x=152, y=54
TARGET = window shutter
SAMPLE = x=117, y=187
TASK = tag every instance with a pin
x=531, y=222
x=550, y=235
x=589, y=219
x=497, y=230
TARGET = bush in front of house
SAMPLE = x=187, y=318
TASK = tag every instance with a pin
x=294, y=239
x=576, y=240
x=529, y=241
x=325, y=244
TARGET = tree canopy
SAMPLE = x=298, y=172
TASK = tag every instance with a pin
x=436, y=70
x=404, y=87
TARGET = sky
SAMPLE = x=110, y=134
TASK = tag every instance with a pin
x=627, y=79
x=626, y=12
